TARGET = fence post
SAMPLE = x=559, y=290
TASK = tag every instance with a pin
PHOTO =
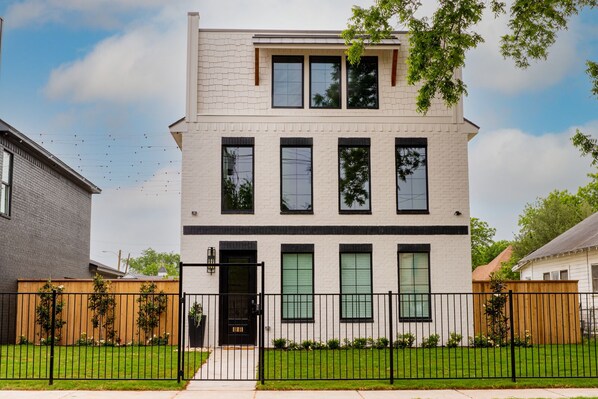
x=52, y=337
x=180, y=340
x=391, y=338
x=262, y=329
x=512, y=329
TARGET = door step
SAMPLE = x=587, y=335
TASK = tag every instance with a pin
x=237, y=347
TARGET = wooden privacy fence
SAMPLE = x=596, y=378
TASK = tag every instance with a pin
x=78, y=316
x=546, y=310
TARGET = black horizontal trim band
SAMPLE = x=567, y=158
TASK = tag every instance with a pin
x=238, y=245
x=355, y=247
x=413, y=247
x=297, y=141
x=354, y=141
x=238, y=141
x=411, y=141
x=326, y=230
x=301, y=248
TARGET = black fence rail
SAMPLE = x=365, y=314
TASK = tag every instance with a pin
x=268, y=337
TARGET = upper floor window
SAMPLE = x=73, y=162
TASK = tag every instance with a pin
x=325, y=82
x=412, y=175
x=297, y=282
x=362, y=83
x=296, y=175
x=287, y=81
x=237, y=175
x=6, y=183
x=414, y=282
x=354, y=175
x=356, y=281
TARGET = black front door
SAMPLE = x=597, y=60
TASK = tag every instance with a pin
x=238, y=289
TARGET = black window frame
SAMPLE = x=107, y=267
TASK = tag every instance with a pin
x=411, y=142
x=348, y=66
x=9, y=183
x=247, y=142
x=354, y=142
x=289, y=59
x=415, y=248
x=297, y=249
x=315, y=59
x=356, y=249
x=594, y=277
x=297, y=142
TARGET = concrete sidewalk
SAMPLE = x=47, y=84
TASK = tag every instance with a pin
x=246, y=392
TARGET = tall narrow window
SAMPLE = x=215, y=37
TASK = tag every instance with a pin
x=6, y=183
x=564, y=275
x=325, y=82
x=296, y=175
x=414, y=282
x=356, y=281
x=595, y=278
x=287, y=81
x=362, y=83
x=297, y=282
x=412, y=175
x=237, y=175
x=354, y=175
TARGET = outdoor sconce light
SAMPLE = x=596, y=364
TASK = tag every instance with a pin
x=211, y=260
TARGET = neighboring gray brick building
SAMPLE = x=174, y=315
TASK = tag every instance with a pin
x=45, y=214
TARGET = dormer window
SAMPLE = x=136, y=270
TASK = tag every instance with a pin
x=362, y=83
x=325, y=82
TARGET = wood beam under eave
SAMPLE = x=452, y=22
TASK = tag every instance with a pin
x=393, y=74
x=257, y=66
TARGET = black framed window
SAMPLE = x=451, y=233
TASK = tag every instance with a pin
x=354, y=176
x=325, y=82
x=297, y=282
x=595, y=278
x=296, y=176
x=362, y=83
x=237, y=175
x=356, y=282
x=6, y=183
x=412, y=175
x=287, y=81
x=414, y=282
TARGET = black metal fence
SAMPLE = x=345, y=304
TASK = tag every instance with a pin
x=381, y=336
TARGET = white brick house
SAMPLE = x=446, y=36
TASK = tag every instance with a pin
x=280, y=165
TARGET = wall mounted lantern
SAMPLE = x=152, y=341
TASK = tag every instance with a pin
x=211, y=260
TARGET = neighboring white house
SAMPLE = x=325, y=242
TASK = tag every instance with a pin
x=571, y=256
x=322, y=170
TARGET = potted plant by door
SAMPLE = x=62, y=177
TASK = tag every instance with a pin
x=197, y=325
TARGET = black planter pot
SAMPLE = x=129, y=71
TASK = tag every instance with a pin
x=196, y=333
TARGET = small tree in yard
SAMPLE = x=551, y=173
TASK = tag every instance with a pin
x=494, y=308
x=43, y=312
x=103, y=304
x=151, y=307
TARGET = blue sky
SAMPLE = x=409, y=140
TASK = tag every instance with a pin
x=97, y=83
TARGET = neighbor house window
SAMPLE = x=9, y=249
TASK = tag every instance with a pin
x=564, y=275
x=296, y=175
x=595, y=278
x=237, y=175
x=356, y=281
x=412, y=175
x=287, y=81
x=546, y=276
x=6, y=183
x=414, y=282
x=297, y=282
x=325, y=82
x=354, y=175
x=362, y=83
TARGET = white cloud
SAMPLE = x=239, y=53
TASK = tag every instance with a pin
x=133, y=219
x=509, y=168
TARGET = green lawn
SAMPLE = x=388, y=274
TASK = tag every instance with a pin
x=132, y=367
x=433, y=368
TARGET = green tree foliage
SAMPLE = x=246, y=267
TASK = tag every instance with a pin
x=353, y=181
x=549, y=217
x=481, y=240
x=151, y=306
x=102, y=305
x=331, y=99
x=43, y=312
x=150, y=262
x=438, y=43
x=495, y=310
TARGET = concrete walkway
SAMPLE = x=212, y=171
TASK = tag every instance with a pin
x=227, y=364
x=239, y=393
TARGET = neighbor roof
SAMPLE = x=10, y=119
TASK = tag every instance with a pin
x=582, y=236
x=482, y=273
x=20, y=140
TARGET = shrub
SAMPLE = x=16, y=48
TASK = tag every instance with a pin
x=431, y=341
x=151, y=307
x=454, y=340
x=23, y=340
x=525, y=342
x=102, y=305
x=84, y=341
x=481, y=341
x=404, y=341
x=43, y=311
x=347, y=344
x=307, y=344
x=381, y=343
x=494, y=308
x=279, y=343
x=319, y=345
x=333, y=343
x=360, y=343
x=292, y=345
x=156, y=339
